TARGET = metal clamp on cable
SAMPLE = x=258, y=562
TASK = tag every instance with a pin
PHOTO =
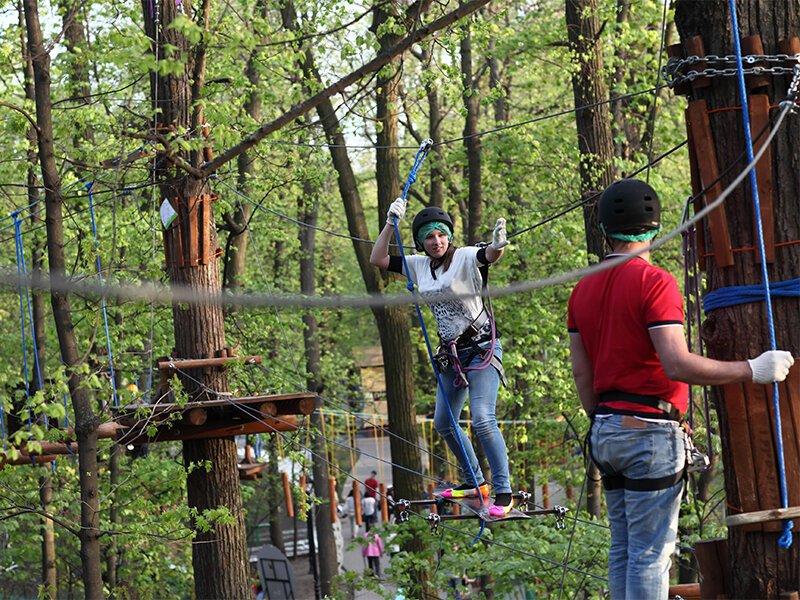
x=561, y=513
x=434, y=520
x=401, y=510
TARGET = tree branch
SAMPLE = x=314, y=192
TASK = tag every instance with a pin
x=376, y=63
x=23, y=112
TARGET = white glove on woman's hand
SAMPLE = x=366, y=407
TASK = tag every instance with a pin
x=396, y=209
x=499, y=235
x=770, y=366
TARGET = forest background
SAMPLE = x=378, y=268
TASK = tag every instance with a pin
x=512, y=79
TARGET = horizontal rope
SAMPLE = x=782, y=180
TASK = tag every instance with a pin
x=161, y=294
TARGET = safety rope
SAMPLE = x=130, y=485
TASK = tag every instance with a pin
x=785, y=540
x=22, y=269
x=424, y=148
x=103, y=303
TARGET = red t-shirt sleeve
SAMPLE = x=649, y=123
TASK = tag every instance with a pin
x=572, y=326
x=663, y=303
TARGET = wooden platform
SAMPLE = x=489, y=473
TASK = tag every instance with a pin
x=223, y=417
x=251, y=471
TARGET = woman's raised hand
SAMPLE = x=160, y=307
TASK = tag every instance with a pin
x=499, y=235
x=397, y=209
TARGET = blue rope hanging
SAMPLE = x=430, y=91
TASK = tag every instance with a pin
x=22, y=291
x=785, y=540
x=103, y=304
x=422, y=153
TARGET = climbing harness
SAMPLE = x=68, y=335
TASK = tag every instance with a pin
x=785, y=540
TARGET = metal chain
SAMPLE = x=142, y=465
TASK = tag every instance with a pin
x=794, y=89
x=674, y=72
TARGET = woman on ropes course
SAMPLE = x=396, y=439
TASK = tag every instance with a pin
x=470, y=355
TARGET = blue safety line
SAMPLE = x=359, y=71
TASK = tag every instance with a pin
x=103, y=306
x=744, y=294
x=22, y=290
x=37, y=366
x=412, y=177
x=785, y=540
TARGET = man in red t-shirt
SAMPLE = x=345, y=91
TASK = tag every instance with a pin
x=631, y=367
x=371, y=485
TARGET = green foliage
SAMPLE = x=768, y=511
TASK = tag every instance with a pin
x=529, y=173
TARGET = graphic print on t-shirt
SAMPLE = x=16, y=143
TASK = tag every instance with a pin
x=454, y=315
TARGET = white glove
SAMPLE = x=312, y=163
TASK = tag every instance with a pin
x=770, y=366
x=396, y=209
x=499, y=235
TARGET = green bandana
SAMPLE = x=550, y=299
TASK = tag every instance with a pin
x=634, y=237
x=429, y=228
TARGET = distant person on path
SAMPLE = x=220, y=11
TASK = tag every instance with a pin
x=371, y=485
x=631, y=366
x=350, y=510
x=369, y=511
x=470, y=357
x=373, y=552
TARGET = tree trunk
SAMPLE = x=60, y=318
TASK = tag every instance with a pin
x=112, y=551
x=435, y=159
x=326, y=543
x=595, y=146
x=78, y=84
x=758, y=567
x=85, y=420
x=219, y=556
x=392, y=322
x=49, y=575
x=472, y=141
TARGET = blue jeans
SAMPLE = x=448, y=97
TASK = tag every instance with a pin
x=644, y=525
x=482, y=390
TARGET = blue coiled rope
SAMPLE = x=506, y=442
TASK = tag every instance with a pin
x=785, y=540
x=744, y=294
x=422, y=153
x=103, y=304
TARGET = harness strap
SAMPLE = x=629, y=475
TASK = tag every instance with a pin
x=669, y=410
x=617, y=482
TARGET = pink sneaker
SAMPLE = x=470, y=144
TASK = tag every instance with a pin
x=498, y=512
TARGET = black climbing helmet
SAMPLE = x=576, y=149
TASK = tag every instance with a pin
x=429, y=215
x=629, y=206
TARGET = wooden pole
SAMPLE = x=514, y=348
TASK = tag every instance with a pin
x=287, y=495
x=357, y=503
x=332, y=497
x=384, y=503
x=433, y=508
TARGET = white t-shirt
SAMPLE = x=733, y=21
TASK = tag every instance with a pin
x=454, y=315
x=368, y=506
